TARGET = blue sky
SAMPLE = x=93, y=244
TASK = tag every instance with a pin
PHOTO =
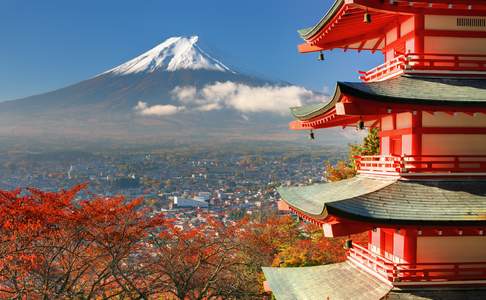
x=53, y=43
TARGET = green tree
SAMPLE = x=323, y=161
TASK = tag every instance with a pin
x=347, y=169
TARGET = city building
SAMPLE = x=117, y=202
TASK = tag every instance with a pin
x=423, y=199
x=189, y=203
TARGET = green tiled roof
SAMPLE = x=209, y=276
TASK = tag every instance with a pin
x=422, y=89
x=307, y=33
x=335, y=281
x=399, y=202
x=406, y=89
x=308, y=111
x=312, y=199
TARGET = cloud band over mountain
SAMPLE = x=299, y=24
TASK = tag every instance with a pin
x=232, y=95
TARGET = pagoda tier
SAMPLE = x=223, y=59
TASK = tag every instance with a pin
x=428, y=126
x=416, y=37
x=342, y=26
x=374, y=202
x=422, y=199
x=421, y=232
x=354, y=101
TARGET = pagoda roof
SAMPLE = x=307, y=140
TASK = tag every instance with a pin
x=342, y=26
x=405, y=89
x=308, y=32
x=392, y=201
x=334, y=281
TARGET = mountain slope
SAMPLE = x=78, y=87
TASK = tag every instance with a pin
x=175, y=90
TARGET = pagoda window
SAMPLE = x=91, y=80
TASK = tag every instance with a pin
x=437, y=22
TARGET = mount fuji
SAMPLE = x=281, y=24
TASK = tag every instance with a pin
x=174, y=91
x=176, y=53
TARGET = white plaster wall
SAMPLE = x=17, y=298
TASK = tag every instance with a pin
x=451, y=249
x=387, y=123
x=407, y=26
x=456, y=45
x=410, y=46
x=375, y=240
x=391, y=36
x=385, y=145
x=441, y=119
x=454, y=144
x=404, y=120
x=398, y=246
x=407, y=144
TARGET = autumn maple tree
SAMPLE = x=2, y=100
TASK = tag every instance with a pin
x=61, y=245
x=56, y=247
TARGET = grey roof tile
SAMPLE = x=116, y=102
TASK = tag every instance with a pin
x=335, y=281
x=393, y=201
x=406, y=89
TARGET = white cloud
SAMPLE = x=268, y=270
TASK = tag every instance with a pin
x=185, y=93
x=157, y=110
x=244, y=98
x=237, y=96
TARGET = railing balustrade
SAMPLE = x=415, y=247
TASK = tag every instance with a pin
x=427, y=164
x=419, y=273
x=425, y=62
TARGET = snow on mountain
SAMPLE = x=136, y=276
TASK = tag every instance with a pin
x=175, y=53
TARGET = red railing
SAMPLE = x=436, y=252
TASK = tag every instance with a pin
x=379, y=164
x=427, y=164
x=444, y=164
x=448, y=62
x=421, y=62
x=419, y=273
x=374, y=263
x=386, y=70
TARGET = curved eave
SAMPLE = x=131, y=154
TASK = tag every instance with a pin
x=305, y=113
x=308, y=33
x=348, y=88
x=331, y=213
x=312, y=200
x=342, y=25
x=421, y=92
x=374, y=201
x=342, y=214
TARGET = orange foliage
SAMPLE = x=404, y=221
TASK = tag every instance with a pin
x=54, y=245
x=340, y=171
x=314, y=249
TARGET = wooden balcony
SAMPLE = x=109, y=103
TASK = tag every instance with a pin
x=429, y=165
x=427, y=63
x=385, y=71
x=399, y=274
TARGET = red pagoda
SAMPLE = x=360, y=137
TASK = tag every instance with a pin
x=423, y=199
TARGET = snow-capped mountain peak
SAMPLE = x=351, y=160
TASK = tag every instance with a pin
x=175, y=53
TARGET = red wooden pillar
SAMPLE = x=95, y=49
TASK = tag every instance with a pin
x=417, y=133
x=410, y=246
x=419, y=22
